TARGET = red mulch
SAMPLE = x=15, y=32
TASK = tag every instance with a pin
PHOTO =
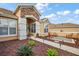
x=9, y=48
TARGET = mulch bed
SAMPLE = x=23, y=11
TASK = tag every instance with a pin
x=9, y=48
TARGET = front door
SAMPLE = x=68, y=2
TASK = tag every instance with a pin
x=28, y=29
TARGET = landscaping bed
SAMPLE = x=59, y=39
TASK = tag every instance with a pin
x=9, y=48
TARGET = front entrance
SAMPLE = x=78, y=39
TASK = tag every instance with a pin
x=29, y=26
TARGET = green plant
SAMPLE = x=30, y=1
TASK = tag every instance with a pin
x=52, y=52
x=31, y=43
x=24, y=51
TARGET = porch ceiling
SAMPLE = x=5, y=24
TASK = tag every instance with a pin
x=30, y=20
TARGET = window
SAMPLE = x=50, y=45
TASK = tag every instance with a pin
x=12, y=23
x=12, y=27
x=7, y=27
x=3, y=27
x=4, y=22
x=33, y=28
x=12, y=30
x=46, y=29
x=3, y=30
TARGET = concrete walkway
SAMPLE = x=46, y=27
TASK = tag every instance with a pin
x=63, y=47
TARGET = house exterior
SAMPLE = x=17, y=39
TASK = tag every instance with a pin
x=8, y=25
x=26, y=20
x=18, y=24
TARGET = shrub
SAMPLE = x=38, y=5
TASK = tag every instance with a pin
x=31, y=43
x=24, y=51
x=52, y=52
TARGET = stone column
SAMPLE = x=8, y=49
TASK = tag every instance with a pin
x=22, y=28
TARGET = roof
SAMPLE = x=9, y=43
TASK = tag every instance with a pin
x=44, y=20
x=7, y=13
x=27, y=5
x=64, y=25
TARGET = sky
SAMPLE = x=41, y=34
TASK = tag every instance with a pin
x=55, y=12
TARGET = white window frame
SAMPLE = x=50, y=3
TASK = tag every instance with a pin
x=12, y=27
x=8, y=29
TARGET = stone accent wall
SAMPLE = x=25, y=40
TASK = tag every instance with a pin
x=22, y=28
x=29, y=11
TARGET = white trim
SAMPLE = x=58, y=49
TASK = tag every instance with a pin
x=8, y=35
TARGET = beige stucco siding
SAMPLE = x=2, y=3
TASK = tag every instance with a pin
x=8, y=38
x=41, y=28
x=18, y=13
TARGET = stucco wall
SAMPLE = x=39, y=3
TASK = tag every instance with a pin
x=42, y=26
x=18, y=13
x=8, y=38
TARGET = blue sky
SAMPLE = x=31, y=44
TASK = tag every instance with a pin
x=55, y=12
x=9, y=6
